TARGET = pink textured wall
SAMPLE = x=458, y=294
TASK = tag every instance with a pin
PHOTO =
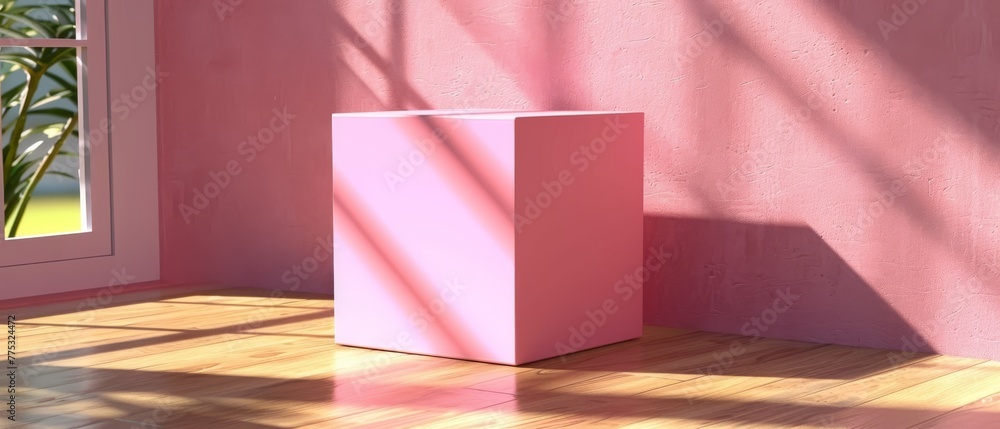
x=822, y=171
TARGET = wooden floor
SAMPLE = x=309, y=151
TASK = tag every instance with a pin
x=237, y=359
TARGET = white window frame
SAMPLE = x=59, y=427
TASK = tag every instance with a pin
x=131, y=251
x=95, y=239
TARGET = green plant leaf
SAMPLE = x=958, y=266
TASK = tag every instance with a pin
x=40, y=29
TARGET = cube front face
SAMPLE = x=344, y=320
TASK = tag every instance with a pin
x=424, y=258
x=442, y=248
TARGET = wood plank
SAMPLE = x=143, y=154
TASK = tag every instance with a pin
x=982, y=413
x=923, y=402
x=823, y=406
x=734, y=398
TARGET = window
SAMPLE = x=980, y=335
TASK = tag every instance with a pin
x=53, y=77
x=112, y=107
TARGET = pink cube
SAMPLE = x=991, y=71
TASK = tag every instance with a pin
x=503, y=237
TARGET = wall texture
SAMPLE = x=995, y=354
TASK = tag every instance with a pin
x=823, y=171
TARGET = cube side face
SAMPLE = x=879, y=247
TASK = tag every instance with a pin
x=424, y=256
x=578, y=223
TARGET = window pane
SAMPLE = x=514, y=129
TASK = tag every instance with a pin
x=41, y=145
x=38, y=19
